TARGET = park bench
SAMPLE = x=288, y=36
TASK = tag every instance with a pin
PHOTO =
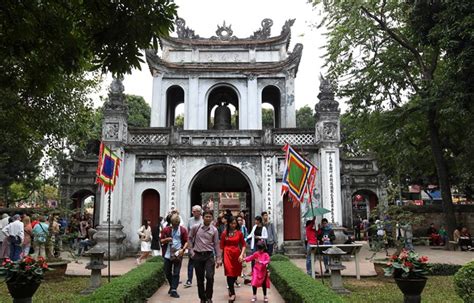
x=350, y=249
x=453, y=244
x=422, y=240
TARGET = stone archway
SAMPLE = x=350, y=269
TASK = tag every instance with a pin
x=363, y=202
x=222, y=178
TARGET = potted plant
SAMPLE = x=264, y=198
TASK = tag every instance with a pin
x=23, y=277
x=409, y=271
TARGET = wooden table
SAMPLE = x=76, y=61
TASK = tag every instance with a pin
x=350, y=249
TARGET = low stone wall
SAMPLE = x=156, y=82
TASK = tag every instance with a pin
x=434, y=214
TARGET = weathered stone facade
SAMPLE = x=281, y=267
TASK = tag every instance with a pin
x=165, y=168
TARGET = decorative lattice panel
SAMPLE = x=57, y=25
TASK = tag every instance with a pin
x=293, y=139
x=148, y=139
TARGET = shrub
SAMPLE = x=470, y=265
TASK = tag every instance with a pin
x=438, y=269
x=135, y=286
x=279, y=257
x=464, y=282
x=296, y=286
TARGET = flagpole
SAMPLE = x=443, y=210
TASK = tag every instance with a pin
x=317, y=246
x=108, y=240
x=108, y=223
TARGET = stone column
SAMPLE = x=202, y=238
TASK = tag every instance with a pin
x=192, y=106
x=328, y=139
x=158, y=105
x=114, y=135
x=288, y=111
x=253, y=109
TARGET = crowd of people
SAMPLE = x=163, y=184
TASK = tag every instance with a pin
x=211, y=244
x=41, y=235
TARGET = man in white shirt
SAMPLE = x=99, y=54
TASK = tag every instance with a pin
x=3, y=223
x=194, y=220
x=15, y=233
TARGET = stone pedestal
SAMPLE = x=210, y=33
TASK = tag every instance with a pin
x=95, y=265
x=117, y=248
x=335, y=265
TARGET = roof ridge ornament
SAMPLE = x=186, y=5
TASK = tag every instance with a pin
x=286, y=29
x=183, y=31
x=265, y=31
x=224, y=33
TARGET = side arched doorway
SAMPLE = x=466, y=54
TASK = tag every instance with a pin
x=292, y=219
x=363, y=202
x=84, y=201
x=151, y=206
x=221, y=186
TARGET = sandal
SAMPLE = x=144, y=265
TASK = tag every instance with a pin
x=232, y=299
x=265, y=299
x=254, y=299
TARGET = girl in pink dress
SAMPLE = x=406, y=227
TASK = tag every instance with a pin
x=260, y=276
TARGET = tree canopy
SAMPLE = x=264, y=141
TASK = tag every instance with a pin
x=48, y=53
x=407, y=65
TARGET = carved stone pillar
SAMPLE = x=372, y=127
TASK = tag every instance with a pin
x=328, y=139
x=114, y=135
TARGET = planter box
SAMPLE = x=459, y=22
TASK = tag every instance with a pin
x=58, y=272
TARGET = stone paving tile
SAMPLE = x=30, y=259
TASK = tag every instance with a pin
x=244, y=293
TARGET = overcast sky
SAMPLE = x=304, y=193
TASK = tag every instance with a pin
x=245, y=16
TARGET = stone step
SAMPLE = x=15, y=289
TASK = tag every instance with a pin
x=296, y=256
x=294, y=250
x=293, y=243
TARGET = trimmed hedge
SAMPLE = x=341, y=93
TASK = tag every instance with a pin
x=135, y=286
x=464, y=282
x=279, y=257
x=439, y=269
x=296, y=286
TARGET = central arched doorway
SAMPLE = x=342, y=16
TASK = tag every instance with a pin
x=221, y=186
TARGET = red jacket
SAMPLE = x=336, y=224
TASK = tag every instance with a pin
x=166, y=233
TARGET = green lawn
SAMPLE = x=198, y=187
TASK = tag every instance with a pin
x=54, y=292
x=438, y=289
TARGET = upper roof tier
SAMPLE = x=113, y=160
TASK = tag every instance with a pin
x=225, y=38
x=257, y=54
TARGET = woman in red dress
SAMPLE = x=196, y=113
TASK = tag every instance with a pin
x=233, y=252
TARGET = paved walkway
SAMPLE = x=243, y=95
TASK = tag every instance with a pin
x=244, y=293
x=117, y=268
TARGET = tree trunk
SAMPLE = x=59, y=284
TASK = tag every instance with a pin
x=442, y=171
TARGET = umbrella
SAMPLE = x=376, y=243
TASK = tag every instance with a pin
x=313, y=212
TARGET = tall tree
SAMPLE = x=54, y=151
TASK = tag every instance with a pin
x=47, y=52
x=305, y=117
x=403, y=55
x=268, y=118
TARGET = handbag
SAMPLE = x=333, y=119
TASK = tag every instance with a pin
x=174, y=256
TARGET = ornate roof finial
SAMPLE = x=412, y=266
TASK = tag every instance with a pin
x=224, y=32
x=183, y=31
x=326, y=97
x=264, y=32
x=116, y=96
x=116, y=87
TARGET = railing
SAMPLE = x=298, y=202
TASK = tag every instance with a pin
x=204, y=138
